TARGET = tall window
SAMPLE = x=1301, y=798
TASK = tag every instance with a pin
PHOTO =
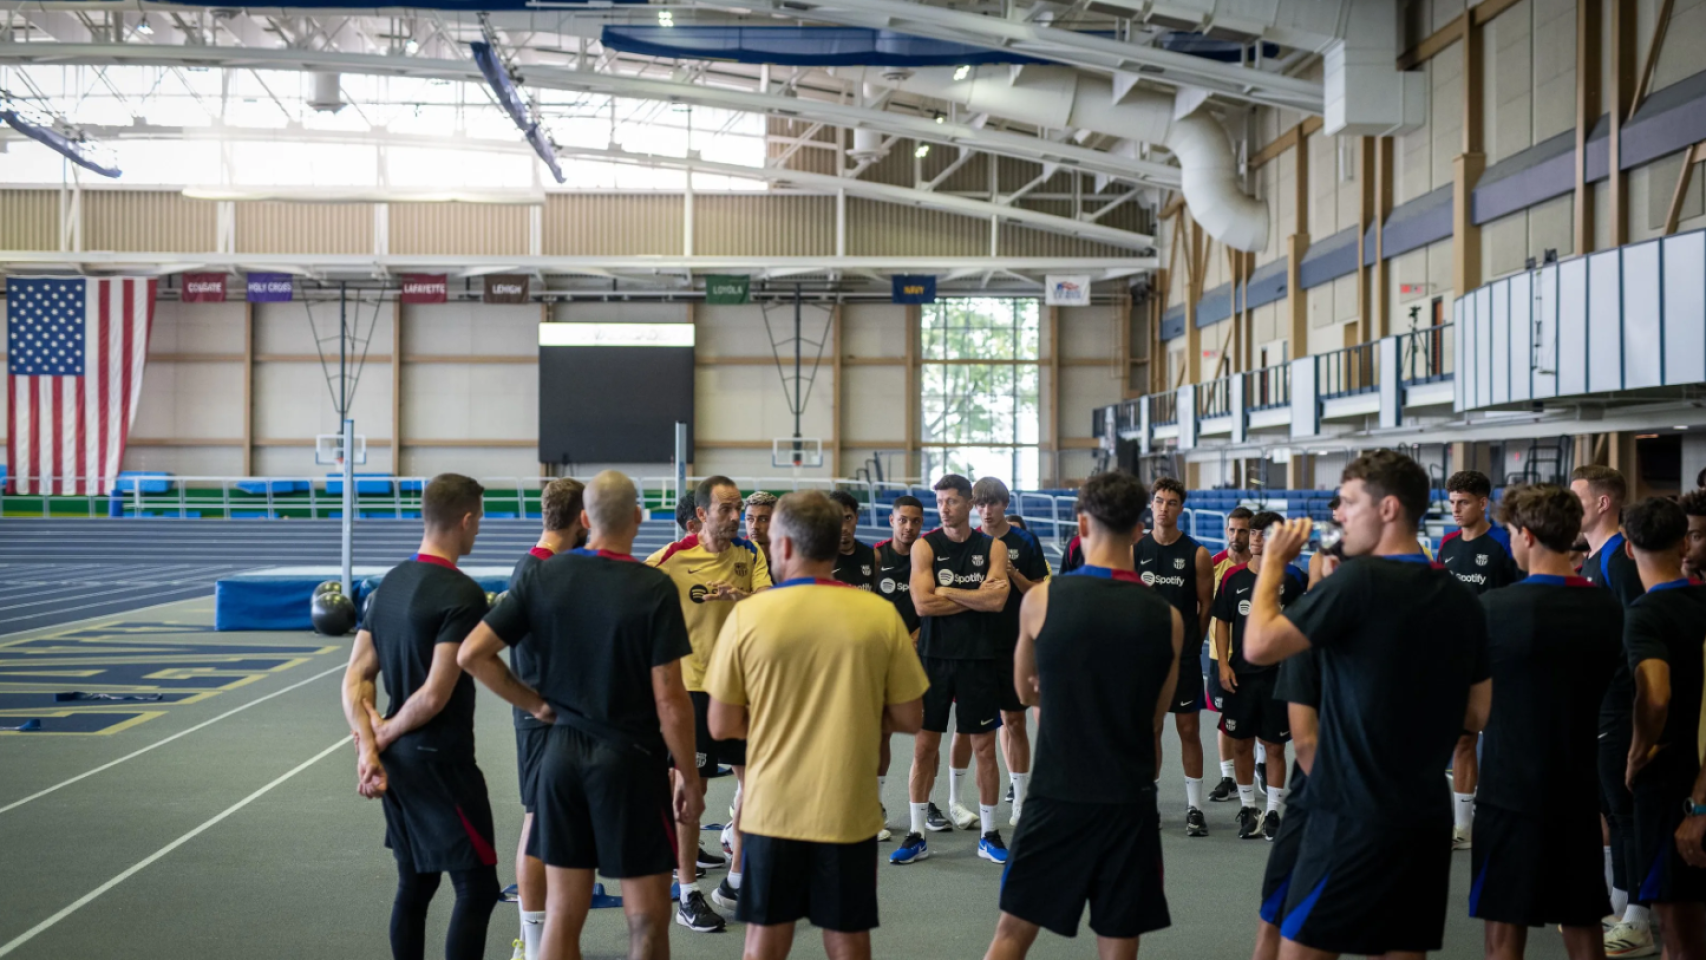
x=980, y=376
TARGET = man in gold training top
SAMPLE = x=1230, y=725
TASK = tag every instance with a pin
x=712, y=570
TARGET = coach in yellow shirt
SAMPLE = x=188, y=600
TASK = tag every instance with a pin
x=812, y=673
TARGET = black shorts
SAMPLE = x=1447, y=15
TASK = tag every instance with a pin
x=1253, y=711
x=602, y=806
x=1282, y=860
x=1617, y=805
x=1008, y=694
x=1662, y=875
x=529, y=750
x=1214, y=695
x=711, y=751
x=971, y=687
x=1108, y=855
x=437, y=815
x=1366, y=887
x=834, y=885
x=1537, y=871
x=1188, y=695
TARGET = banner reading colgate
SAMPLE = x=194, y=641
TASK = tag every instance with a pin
x=203, y=288
x=425, y=288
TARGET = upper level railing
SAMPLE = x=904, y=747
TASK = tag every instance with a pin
x=1347, y=372
x=1214, y=398
x=1268, y=387
x=1163, y=409
x=1425, y=354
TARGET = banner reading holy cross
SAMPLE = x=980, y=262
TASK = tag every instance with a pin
x=75, y=350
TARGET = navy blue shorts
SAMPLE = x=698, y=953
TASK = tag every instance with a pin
x=1366, y=886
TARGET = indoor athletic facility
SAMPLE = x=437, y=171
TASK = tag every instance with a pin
x=1265, y=439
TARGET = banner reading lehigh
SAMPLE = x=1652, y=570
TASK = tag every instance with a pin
x=506, y=288
x=1071, y=290
x=425, y=288
x=203, y=288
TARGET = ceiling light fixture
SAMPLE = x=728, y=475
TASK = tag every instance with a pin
x=666, y=18
x=922, y=151
x=144, y=27
x=962, y=71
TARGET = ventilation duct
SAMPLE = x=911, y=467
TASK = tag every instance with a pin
x=328, y=93
x=1054, y=97
x=1365, y=94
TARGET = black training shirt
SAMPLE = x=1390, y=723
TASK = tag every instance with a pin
x=859, y=568
x=1611, y=567
x=1300, y=683
x=1400, y=642
x=521, y=661
x=1172, y=571
x=1482, y=564
x=968, y=634
x=423, y=602
x=1232, y=605
x=1552, y=646
x=1025, y=553
x=1073, y=556
x=894, y=581
x=1669, y=624
x=597, y=623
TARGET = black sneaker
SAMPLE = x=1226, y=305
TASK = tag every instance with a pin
x=1270, y=826
x=1009, y=792
x=935, y=822
x=1196, y=825
x=1249, y=823
x=696, y=915
x=710, y=861
x=1223, y=791
x=725, y=896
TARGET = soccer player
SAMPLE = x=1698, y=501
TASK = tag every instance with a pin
x=687, y=516
x=959, y=583
x=810, y=673
x=1322, y=563
x=713, y=571
x=1250, y=709
x=418, y=758
x=1299, y=686
x=1478, y=553
x=1662, y=633
x=1072, y=557
x=759, y=505
x=1402, y=649
x=855, y=563
x=1179, y=569
x=607, y=639
x=1602, y=492
x=894, y=576
x=1552, y=646
x=1693, y=504
x=560, y=505
x=1237, y=551
x=1103, y=654
x=1026, y=567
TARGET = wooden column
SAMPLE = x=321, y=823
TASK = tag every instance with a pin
x=248, y=389
x=1365, y=218
x=1296, y=245
x=914, y=388
x=397, y=386
x=835, y=395
x=1052, y=318
x=1468, y=167
x=1382, y=282
x=1588, y=22
x=1622, y=97
x=1193, y=292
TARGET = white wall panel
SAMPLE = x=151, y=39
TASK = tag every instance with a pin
x=292, y=402
x=1643, y=337
x=747, y=403
x=1572, y=327
x=1684, y=271
x=1482, y=350
x=466, y=328
x=196, y=328
x=286, y=327
x=1605, y=322
x=1544, y=360
x=481, y=401
x=190, y=400
x=873, y=404
x=184, y=461
x=1521, y=336
x=873, y=330
x=1500, y=359
x=489, y=465
x=1089, y=332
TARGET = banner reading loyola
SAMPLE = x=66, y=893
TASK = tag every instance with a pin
x=425, y=288
x=506, y=288
x=727, y=289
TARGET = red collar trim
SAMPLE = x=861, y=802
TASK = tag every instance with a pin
x=434, y=558
x=543, y=553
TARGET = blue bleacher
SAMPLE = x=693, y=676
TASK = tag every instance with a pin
x=148, y=481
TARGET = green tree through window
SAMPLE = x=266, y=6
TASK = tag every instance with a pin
x=980, y=372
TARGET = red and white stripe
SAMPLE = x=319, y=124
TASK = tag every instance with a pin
x=66, y=435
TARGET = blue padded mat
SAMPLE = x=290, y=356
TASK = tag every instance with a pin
x=281, y=599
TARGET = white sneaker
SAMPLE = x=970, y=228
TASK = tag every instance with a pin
x=962, y=817
x=520, y=951
x=1630, y=940
x=1013, y=817
x=884, y=834
x=1459, y=838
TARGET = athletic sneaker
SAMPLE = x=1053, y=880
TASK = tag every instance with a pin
x=698, y=874
x=962, y=817
x=726, y=840
x=1460, y=841
x=520, y=947
x=991, y=848
x=1270, y=825
x=911, y=850
x=725, y=896
x=1223, y=791
x=884, y=833
x=1195, y=824
x=1249, y=823
x=1009, y=797
x=1630, y=940
x=1262, y=778
x=934, y=821
x=696, y=915
x=710, y=861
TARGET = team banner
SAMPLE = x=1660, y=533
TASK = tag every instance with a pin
x=270, y=288
x=203, y=288
x=726, y=289
x=425, y=288
x=506, y=288
x=913, y=288
x=1068, y=290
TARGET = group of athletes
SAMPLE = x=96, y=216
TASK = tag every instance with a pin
x=1548, y=660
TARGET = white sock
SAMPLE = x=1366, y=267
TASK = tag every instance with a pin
x=1636, y=915
x=1464, y=809
x=1619, y=902
x=735, y=803
x=1021, y=782
x=1608, y=874
x=1227, y=769
x=1261, y=753
x=986, y=818
x=920, y=811
x=1276, y=799
x=688, y=888
x=1247, y=794
x=532, y=928
x=734, y=879
x=956, y=776
x=1193, y=792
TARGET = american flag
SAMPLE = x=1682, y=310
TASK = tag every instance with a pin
x=74, y=354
